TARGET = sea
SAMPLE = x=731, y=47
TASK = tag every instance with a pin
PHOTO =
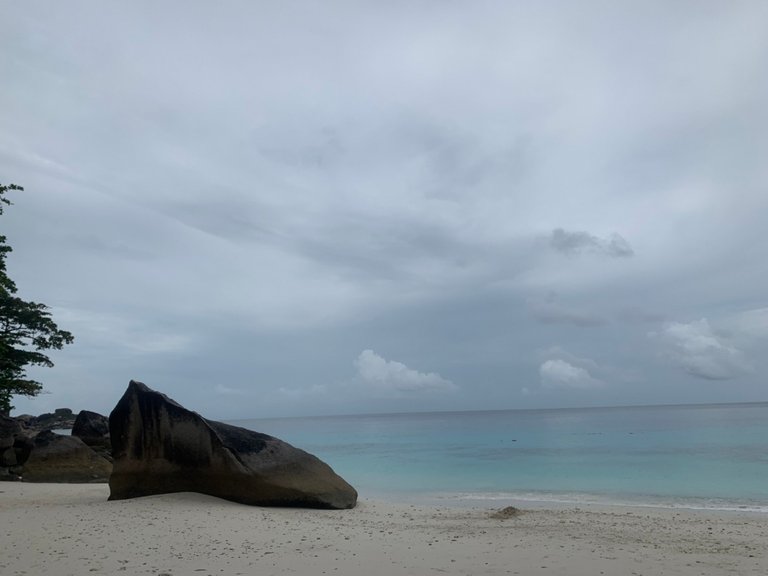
x=693, y=456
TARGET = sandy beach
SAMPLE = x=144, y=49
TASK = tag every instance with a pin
x=66, y=529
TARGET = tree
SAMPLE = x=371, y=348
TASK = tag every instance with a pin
x=26, y=330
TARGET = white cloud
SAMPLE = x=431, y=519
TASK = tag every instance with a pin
x=557, y=373
x=391, y=377
x=701, y=352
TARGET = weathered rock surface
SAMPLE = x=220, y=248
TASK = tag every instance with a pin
x=56, y=458
x=10, y=429
x=161, y=447
x=22, y=448
x=92, y=428
x=61, y=418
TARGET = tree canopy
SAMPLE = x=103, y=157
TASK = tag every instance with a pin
x=26, y=330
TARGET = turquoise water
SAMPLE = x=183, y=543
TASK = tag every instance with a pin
x=708, y=456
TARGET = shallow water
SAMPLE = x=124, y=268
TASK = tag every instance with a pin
x=704, y=456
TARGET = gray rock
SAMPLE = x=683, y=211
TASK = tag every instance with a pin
x=506, y=513
x=61, y=418
x=160, y=447
x=8, y=457
x=92, y=428
x=9, y=429
x=7, y=475
x=56, y=458
x=22, y=448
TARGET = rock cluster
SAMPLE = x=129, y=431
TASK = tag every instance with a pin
x=152, y=445
x=59, y=419
x=160, y=447
x=31, y=455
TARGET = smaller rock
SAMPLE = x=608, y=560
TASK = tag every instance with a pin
x=26, y=421
x=57, y=458
x=92, y=428
x=23, y=448
x=7, y=475
x=10, y=434
x=8, y=457
x=9, y=429
x=508, y=512
x=61, y=418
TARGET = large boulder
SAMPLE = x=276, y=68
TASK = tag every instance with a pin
x=161, y=447
x=56, y=458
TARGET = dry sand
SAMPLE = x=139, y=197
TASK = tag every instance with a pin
x=61, y=530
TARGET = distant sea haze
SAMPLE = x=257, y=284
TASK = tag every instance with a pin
x=698, y=456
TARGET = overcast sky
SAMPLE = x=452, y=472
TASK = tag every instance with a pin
x=295, y=207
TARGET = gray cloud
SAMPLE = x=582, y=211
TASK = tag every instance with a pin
x=577, y=242
x=549, y=311
x=750, y=326
x=639, y=316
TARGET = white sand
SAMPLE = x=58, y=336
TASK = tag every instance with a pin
x=62, y=530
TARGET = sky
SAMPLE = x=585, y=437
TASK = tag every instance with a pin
x=314, y=208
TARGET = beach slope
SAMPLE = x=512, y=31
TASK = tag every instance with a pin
x=66, y=529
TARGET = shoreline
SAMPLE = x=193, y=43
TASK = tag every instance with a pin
x=66, y=529
x=552, y=500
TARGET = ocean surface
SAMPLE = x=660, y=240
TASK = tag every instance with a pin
x=698, y=456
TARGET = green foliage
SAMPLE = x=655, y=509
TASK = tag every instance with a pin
x=26, y=329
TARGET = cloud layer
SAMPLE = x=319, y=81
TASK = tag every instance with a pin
x=233, y=204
